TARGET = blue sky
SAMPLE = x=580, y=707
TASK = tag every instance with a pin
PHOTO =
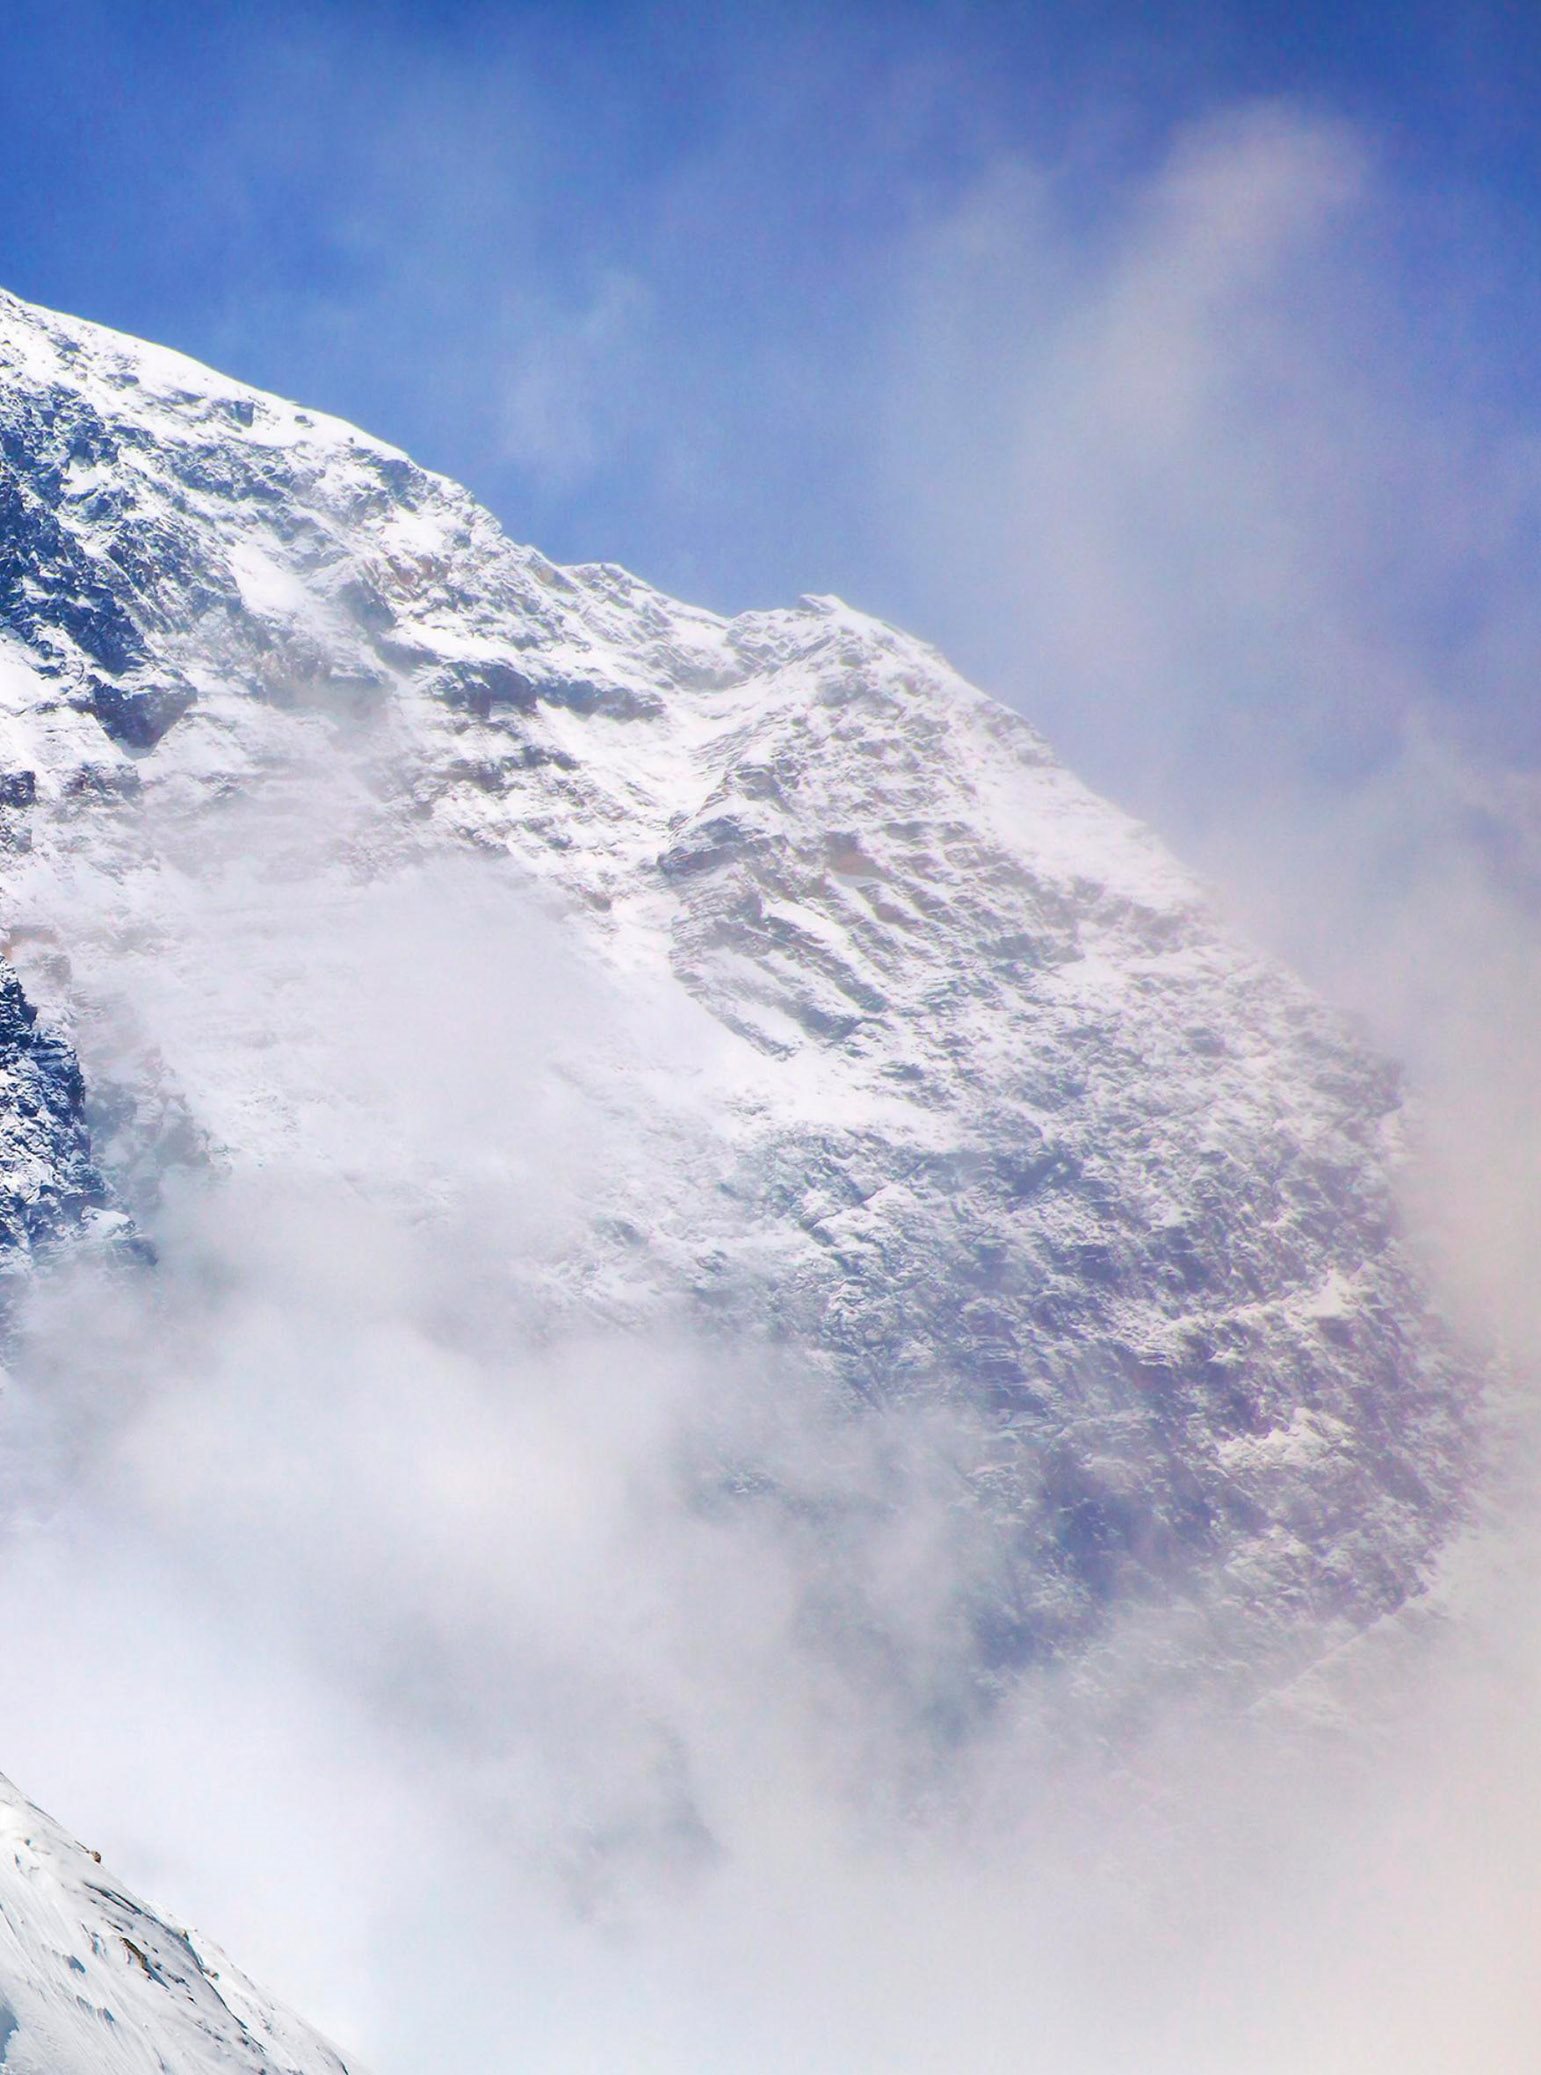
x=768, y=299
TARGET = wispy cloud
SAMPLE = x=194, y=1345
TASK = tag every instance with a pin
x=1228, y=503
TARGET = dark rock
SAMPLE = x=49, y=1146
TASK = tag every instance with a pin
x=137, y=716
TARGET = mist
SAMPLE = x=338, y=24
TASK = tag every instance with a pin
x=513, y=1676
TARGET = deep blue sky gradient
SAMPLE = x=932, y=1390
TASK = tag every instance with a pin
x=639, y=274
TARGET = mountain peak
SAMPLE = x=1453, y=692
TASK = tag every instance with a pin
x=988, y=1116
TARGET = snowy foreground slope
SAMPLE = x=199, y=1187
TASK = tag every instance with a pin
x=929, y=1074
x=93, y=1982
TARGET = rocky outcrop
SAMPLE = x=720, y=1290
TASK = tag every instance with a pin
x=51, y=1190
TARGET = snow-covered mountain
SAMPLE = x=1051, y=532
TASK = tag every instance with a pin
x=963, y=1100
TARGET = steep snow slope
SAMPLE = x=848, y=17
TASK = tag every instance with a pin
x=92, y=1982
x=999, y=1118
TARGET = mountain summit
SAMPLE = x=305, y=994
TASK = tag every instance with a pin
x=941, y=1086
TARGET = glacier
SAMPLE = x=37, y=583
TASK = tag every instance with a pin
x=910, y=1070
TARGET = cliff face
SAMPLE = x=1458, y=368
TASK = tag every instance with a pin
x=993, y=1116
x=1007, y=1119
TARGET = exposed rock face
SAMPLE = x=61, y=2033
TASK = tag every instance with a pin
x=50, y=1188
x=1015, y=1123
